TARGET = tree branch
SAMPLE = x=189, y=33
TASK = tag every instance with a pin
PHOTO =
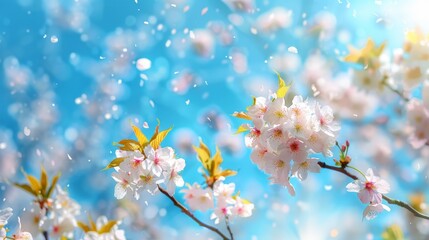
x=389, y=200
x=187, y=212
x=229, y=228
x=398, y=92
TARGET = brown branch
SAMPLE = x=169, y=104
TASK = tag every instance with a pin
x=389, y=200
x=187, y=212
x=229, y=228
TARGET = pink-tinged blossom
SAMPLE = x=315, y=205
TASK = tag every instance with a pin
x=301, y=169
x=198, y=198
x=259, y=156
x=242, y=208
x=158, y=159
x=221, y=212
x=173, y=177
x=275, y=136
x=148, y=180
x=371, y=189
x=294, y=149
x=418, y=117
x=258, y=109
x=22, y=235
x=223, y=191
x=276, y=112
x=253, y=138
x=372, y=210
x=123, y=184
x=325, y=120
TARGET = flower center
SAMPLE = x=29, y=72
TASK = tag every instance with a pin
x=294, y=147
x=369, y=186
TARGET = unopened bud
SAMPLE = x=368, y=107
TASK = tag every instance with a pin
x=347, y=143
x=343, y=148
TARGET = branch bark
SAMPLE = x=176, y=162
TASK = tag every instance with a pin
x=388, y=199
x=192, y=216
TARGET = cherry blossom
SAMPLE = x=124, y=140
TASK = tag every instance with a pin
x=198, y=198
x=371, y=189
x=372, y=210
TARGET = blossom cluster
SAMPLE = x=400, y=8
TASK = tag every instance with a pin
x=145, y=170
x=5, y=214
x=57, y=216
x=370, y=192
x=145, y=165
x=418, y=118
x=220, y=199
x=282, y=137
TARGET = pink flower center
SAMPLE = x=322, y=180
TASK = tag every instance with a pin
x=56, y=229
x=223, y=211
x=369, y=186
x=294, y=147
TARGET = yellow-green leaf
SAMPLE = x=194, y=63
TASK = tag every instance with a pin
x=115, y=162
x=129, y=145
x=92, y=224
x=227, y=173
x=241, y=115
x=34, y=183
x=107, y=227
x=393, y=232
x=53, y=183
x=283, y=88
x=156, y=142
x=83, y=226
x=140, y=136
x=43, y=180
x=242, y=128
x=26, y=188
x=216, y=161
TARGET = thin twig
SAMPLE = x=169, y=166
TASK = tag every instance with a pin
x=229, y=228
x=389, y=200
x=398, y=92
x=187, y=212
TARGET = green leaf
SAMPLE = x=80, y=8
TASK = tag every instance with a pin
x=140, y=136
x=283, y=88
x=107, y=227
x=115, y=162
x=26, y=188
x=242, y=128
x=157, y=140
x=53, y=183
x=393, y=232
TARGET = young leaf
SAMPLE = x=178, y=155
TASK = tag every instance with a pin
x=140, y=136
x=241, y=115
x=129, y=145
x=156, y=142
x=227, y=173
x=217, y=160
x=242, y=128
x=83, y=226
x=43, y=180
x=107, y=227
x=115, y=162
x=34, y=183
x=53, y=183
x=283, y=88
